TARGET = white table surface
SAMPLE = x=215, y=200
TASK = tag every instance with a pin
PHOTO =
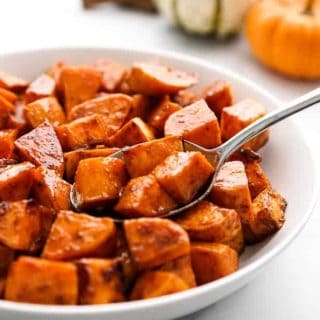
x=289, y=287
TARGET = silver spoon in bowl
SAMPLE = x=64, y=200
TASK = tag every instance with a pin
x=219, y=155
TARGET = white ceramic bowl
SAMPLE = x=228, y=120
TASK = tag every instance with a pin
x=287, y=161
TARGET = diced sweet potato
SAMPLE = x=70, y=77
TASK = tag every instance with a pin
x=84, y=132
x=99, y=281
x=72, y=159
x=37, y=280
x=140, y=106
x=51, y=190
x=144, y=197
x=98, y=181
x=184, y=98
x=78, y=85
x=157, y=283
x=143, y=158
x=239, y=116
x=211, y=261
x=76, y=235
x=42, y=147
x=44, y=109
x=133, y=132
x=153, y=241
x=17, y=120
x=8, y=95
x=207, y=222
x=7, y=138
x=24, y=224
x=195, y=123
x=12, y=83
x=161, y=113
x=183, y=174
x=182, y=268
x=6, y=257
x=55, y=70
x=153, y=79
x=6, y=108
x=43, y=86
x=16, y=181
x=218, y=95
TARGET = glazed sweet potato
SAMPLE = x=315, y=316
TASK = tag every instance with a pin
x=41, y=87
x=195, y=123
x=50, y=154
x=133, y=132
x=144, y=197
x=7, y=138
x=153, y=241
x=98, y=181
x=183, y=174
x=157, y=283
x=78, y=235
x=142, y=159
x=207, y=222
x=72, y=159
x=99, y=281
x=8, y=95
x=44, y=109
x=16, y=181
x=35, y=280
x=211, y=261
x=12, y=83
x=153, y=79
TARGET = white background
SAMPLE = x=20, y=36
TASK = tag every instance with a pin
x=289, y=287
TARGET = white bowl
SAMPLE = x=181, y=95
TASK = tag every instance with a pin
x=287, y=161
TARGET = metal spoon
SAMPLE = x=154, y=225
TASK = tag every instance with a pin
x=219, y=155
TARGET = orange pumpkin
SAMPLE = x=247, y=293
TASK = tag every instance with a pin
x=285, y=36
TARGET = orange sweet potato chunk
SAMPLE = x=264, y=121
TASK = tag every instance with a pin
x=7, y=138
x=142, y=159
x=16, y=120
x=16, y=181
x=144, y=197
x=12, y=83
x=133, y=132
x=44, y=109
x=157, y=283
x=99, y=181
x=140, y=106
x=42, y=147
x=8, y=95
x=6, y=108
x=184, y=98
x=183, y=174
x=99, y=281
x=153, y=241
x=207, y=222
x=195, y=123
x=78, y=235
x=35, y=280
x=211, y=261
x=43, y=86
x=153, y=79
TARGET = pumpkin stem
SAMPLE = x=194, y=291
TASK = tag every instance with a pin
x=308, y=8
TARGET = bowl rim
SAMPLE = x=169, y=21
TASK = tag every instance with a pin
x=255, y=266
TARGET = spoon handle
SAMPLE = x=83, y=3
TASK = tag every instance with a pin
x=297, y=105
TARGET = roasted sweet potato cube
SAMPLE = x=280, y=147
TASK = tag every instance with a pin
x=41, y=281
x=51, y=190
x=143, y=158
x=133, y=132
x=43, y=86
x=157, y=283
x=8, y=95
x=140, y=106
x=44, y=109
x=7, y=138
x=181, y=267
x=161, y=113
x=184, y=98
x=99, y=281
x=211, y=261
x=78, y=85
x=76, y=235
x=195, y=123
x=183, y=174
x=207, y=222
x=16, y=120
x=55, y=70
x=99, y=181
x=24, y=224
x=239, y=116
x=84, y=132
x=72, y=159
x=6, y=257
x=16, y=181
x=218, y=95
x=42, y=147
x=12, y=83
x=6, y=107
x=154, y=79
x=153, y=241
x=144, y=197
